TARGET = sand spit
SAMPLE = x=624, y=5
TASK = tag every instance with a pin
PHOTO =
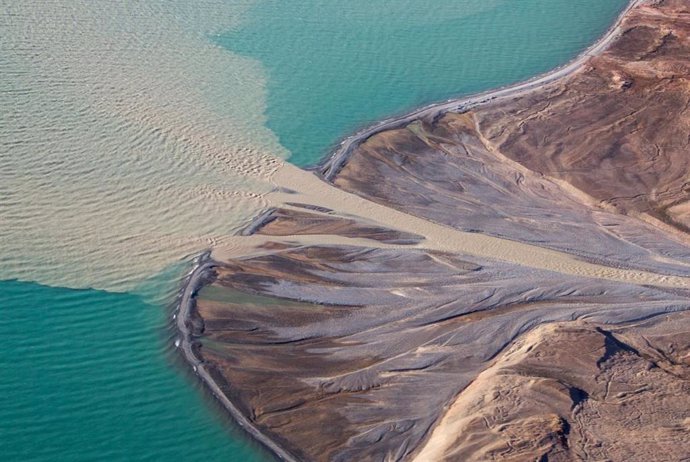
x=436, y=294
x=196, y=278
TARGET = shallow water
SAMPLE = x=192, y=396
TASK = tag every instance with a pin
x=134, y=134
x=128, y=138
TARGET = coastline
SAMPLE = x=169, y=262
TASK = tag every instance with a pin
x=327, y=170
x=183, y=318
x=332, y=163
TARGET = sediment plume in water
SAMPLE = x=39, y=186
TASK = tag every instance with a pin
x=129, y=139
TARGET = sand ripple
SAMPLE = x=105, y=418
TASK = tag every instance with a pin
x=127, y=139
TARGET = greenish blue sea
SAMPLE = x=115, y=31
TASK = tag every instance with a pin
x=336, y=66
x=93, y=375
x=89, y=375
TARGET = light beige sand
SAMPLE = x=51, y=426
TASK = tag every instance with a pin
x=309, y=189
x=445, y=434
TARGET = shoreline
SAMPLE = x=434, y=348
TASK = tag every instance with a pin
x=183, y=317
x=326, y=170
x=331, y=164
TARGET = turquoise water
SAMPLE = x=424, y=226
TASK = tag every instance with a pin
x=335, y=66
x=138, y=89
x=88, y=375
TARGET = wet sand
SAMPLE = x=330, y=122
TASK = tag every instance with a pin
x=436, y=293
